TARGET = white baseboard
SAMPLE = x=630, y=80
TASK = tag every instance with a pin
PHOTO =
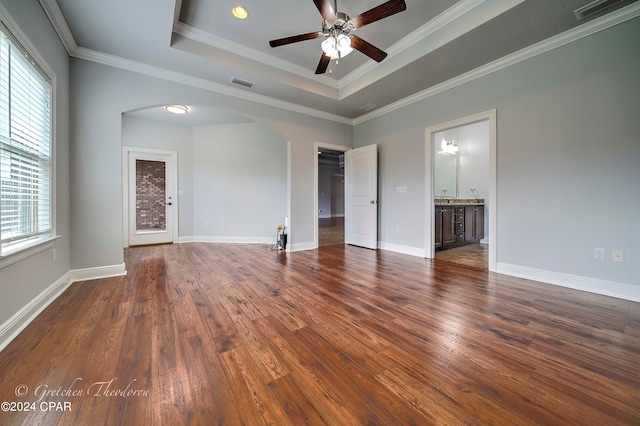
x=301, y=246
x=14, y=325
x=411, y=251
x=337, y=215
x=576, y=282
x=97, y=272
x=324, y=216
x=227, y=240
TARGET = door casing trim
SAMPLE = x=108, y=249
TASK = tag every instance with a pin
x=429, y=226
x=126, y=150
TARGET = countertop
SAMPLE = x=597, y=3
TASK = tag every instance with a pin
x=459, y=201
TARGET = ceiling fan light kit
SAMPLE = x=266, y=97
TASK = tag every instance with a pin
x=337, y=47
x=337, y=27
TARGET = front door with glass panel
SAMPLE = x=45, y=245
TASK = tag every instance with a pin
x=151, y=198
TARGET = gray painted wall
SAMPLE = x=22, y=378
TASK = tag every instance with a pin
x=239, y=180
x=234, y=174
x=325, y=208
x=141, y=133
x=568, y=156
x=22, y=281
x=101, y=94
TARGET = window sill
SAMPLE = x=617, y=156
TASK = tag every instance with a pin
x=25, y=250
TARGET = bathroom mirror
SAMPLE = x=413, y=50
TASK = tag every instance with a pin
x=446, y=164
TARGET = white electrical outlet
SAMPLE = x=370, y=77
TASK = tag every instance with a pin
x=599, y=254
x=397, y=229
x=617, y=255
x=53, y=256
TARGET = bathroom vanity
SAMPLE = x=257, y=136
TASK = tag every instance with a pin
x=458, y=222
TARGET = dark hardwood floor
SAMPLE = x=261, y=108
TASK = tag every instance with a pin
x=208, y=334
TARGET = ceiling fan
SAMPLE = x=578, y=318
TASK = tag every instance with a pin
x=337, y=28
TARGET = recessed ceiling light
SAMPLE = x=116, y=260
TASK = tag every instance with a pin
x=240, y=12
x=177, y=109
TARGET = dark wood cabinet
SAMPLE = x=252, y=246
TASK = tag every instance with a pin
x=437, y=237
x=457, y=225
x=473, y=223
x=445, y=232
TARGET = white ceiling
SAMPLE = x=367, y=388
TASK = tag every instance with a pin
x=431, y=43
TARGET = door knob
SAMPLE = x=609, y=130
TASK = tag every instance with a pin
x=372, y=201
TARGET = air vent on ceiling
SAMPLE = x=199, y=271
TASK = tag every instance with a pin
x=369, y=107
x=243, y=83
x=593, y=8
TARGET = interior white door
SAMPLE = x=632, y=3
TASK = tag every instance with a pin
x=152, y=200
x=361, y=195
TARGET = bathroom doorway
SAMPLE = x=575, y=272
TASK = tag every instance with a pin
x=461, y=191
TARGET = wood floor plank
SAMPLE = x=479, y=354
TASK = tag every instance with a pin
x=244, y=335
x=311, y=377
x=299, y=410
x=256, y=402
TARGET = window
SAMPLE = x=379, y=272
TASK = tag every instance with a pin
x=25, y=147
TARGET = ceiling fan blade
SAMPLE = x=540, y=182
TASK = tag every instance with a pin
x=367, y=48
x=294, y=39
x=323, y=64
x=326, y=10
x=379, y=12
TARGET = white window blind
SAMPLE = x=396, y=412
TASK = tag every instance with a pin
x=25, y=144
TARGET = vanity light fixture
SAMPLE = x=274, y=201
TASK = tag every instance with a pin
x=449, y=148
x=177, y=109
x=240, y=12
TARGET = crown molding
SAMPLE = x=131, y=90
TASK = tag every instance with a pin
x=59, y=23
x=367, y=69
x=234, y=48
x=453, y=22
x=612, y=19
x=448, y=17
x=177, y=77
x=448, y=26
